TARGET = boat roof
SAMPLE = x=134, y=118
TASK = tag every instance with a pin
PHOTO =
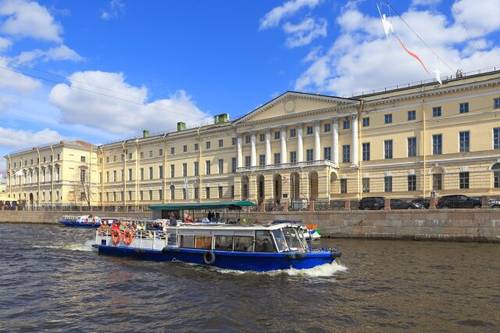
x=232, y=227
x=203, y=205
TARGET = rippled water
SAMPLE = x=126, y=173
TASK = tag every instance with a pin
x=51, y=280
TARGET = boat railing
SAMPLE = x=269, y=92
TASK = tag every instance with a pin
x=144, y=239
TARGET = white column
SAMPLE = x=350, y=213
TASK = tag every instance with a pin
x=268, y=148
x=240, y=153
x=355, y=140
x=253, y=159
x=335, y=142
x=284, y=156
x=300, y=145
x=317, y=141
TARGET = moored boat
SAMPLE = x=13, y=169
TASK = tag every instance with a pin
x=82, y=221
x=236, y=247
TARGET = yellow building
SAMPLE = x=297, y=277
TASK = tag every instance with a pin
x=297, y=148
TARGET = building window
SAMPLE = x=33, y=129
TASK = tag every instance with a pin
x=247, y=138
x=388, y=118
x=172, y=192
x=412, y=147
x=464, y=107
x=346, y=124
x=233, y=141
x=207, y=144
x=496, y=138
x=130, y=155
x=412, y=115
x=327, y=127
x=82, y=175
x=366, y=121
x=262, y=137
x=464, y=180
x=184, y=169
x=309, y=130
x=160, y=194
x=388, y=149
x=172, y=151
x=196, y=192
x=160, y=152
x=150, y=194
x=327, y=153
x=366, y=151
x=207, y=192
x=107, y=176
x=232, y=191
x=366, y=185
x=262, y=160
x=277, y=135
x=412, y=183
x=207, y=167
x=184, y=148
x=293, y=132
x=184, y=194
x=221, y=166
x=496, y=103
x=437, y=144
x=151, y=174
x=343, y=185
x=496, y=175
x=82, y=159
x=388, y=184
x=196, y=168
x=464, y=141
x=248, y=161
x=233, y=164
x=346, y=153
x=293, y=157
x=160, y=171
x=196, y=147
x=221, y=195
x=436, y=111
x=172, y=170
x=277, y=158
x=309, y=155
x=114, y=176
x=437, y=182
x=150, y=153
x=221, y=143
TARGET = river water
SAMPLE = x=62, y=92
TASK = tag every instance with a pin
x=51, y=280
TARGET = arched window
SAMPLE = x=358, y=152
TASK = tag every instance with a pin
x=172, y=192
x=496, y=175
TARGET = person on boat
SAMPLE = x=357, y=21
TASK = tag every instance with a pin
x=173, y=220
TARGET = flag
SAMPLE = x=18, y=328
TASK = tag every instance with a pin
x=438, y=76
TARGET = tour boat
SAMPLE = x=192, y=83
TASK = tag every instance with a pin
x=83, y=221
x=235, y=247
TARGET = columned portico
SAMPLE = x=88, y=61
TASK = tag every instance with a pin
x=335, y=141
x=355, y=140
x=317, y=141
x=300, y=144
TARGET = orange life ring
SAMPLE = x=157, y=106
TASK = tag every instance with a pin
x=115, y=236
x=128, y=237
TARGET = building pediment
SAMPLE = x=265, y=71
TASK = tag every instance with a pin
x=293, y=103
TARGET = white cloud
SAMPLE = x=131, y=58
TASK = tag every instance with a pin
x=58, y=53
x=29, y=19
x=477, y=17
x=115, y=8
x=4, y=44
x=361, y=58
x=305, y=32
x=289, y=8
x=106, y=101
x=16, y=139
x=9, y=79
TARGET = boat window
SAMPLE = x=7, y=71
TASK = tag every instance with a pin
x=187, y=241
x=264, y=241
x=203, y=242
x=280, y=240
x=243, y=243
x=292, y=238
x=224, y=243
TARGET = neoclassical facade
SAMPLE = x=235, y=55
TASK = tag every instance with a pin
x=298, y=148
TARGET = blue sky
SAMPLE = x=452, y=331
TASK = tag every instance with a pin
x=104, y=70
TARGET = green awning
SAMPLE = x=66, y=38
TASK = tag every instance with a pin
x=204, y=205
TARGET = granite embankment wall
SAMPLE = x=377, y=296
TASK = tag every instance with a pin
x=13, y=216
x=451, y=224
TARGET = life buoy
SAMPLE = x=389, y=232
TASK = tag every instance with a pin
x=115, y=236
x=128, y=237
x=209, y=257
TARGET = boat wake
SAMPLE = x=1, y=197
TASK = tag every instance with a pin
x=86, y=247
x=326, y=270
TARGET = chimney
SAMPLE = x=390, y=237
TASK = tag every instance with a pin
x=181, y=126
x=145, y=133
x=221, y=118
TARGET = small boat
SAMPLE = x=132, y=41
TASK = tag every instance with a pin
x=83, y=221
x=312, y=232
x=235, y=247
